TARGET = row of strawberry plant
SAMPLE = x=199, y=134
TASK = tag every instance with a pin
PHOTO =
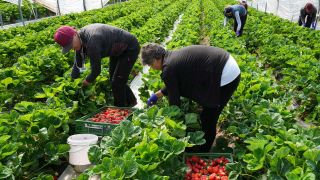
x=41, y=66
x=187, y=33
x=20, y=45
x=291, y=31
x=268, y=142
x=119, y=10
x=63, y=95
x=295, y=65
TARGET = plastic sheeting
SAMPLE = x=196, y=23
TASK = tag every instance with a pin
x=71, y=6
x=16, y=2
x=67, y=6
x=288, y=9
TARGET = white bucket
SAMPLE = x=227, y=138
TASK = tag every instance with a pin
x=79, y=147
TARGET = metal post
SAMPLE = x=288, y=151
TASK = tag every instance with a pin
x=265, y=7
x=1, y=21
x=277, y=7
x=58, y=6
x=101, y=3
x=35, y=10
x=257, y=6
x=20, y=10
x=84, y=5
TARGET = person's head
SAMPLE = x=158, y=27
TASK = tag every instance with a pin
x=228, y=11
x=152, y=55
x=308, y=7
x=67, y=37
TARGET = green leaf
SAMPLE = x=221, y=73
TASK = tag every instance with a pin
x=171, y=111
x=282, y=152
x=63, y=148
x=196, y=138
x=4, y=138
x=7, y=81
x=5, y=172
x=295, y=174
x=8, y=149
x=130, y=165
x=309, y=176
x=312, y=154
x=95, y=154
x=234, y=169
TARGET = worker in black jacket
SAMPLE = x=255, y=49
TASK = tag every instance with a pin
x=205, y=74
x=307, y=16
x=97, y=41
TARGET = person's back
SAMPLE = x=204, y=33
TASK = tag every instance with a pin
x=198, y=70
x=109, y=40
x=240, y=8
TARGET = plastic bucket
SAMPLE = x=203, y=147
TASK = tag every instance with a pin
x=79, y=147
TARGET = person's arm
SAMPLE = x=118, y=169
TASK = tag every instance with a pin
x=159, y=94
x=172, y=88
x=95, y=63
x=302, y=17
x=237, y=15
x=78, y=59
x=225, y=21
x=314, y=15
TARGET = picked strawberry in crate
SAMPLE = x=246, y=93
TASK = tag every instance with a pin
x=206, y=168
x=111, y=115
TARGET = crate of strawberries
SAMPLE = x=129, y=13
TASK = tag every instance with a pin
x=102, y=121
x=207, y=166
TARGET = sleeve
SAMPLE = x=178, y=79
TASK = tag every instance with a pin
x=171, y=82
x=225, y=21
x=314, y=15
x=236, y=14
x=95, y=62
x=302, y=16
x=164, y=91
x=78, y=59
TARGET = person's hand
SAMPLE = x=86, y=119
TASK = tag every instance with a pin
x=237, y=33
x=85, y=83
x=75, y=73
x=313, y=25
x=152, y=100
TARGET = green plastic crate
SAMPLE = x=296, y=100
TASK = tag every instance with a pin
x=209, y=155
x=84, y=125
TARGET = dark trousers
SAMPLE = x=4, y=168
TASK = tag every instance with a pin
x=243, y=22
x=209, y=116
x=119, y=71
x=308, y=22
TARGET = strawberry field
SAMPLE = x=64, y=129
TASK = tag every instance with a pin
x=270, y=127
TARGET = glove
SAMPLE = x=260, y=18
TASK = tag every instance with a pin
x=75, y=73
x=237, y=33
x=85, y=83
x=152, y=100
x=313, y=25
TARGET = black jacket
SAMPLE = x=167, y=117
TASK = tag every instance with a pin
x=194, y=72
x=99, y=41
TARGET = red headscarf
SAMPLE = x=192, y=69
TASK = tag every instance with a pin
x=309, y=7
